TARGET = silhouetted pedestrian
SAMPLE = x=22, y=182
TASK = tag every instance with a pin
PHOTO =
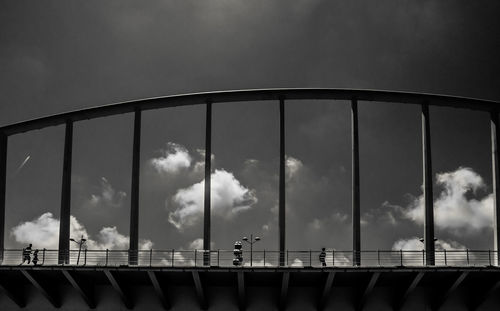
x=322, y=257
x=35, y=257
x=27, y=254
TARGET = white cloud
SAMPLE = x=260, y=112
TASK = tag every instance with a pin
x=416, y=258
x=180, y=259
x=293, y=166
x=297, y=263
x=258, y=263
x=411, y=244
x=228, y=198
x=196, y=244
x=414, y=244
x=43, y=232
x=454, y=209
x=340, y=258
x=175, y=158
x=185, y=256
x=315, y=224
x=108, y=196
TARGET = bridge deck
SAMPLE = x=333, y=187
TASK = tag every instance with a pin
x=467, y=286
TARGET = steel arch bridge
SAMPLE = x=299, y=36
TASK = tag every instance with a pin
x=368, y=272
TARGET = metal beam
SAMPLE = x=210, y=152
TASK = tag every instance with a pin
x=65, y=213
x=134, y=193
x=356, y=218
x=281, y=216
x=200, y=293
x=42, y=289
x=208, y=177
x=126, y=299
x=489, y=293
x=249, y=95
x=3, y=183
x=368, y=290
x=495, y=131
x=241, y=290
x=400, y=303
x=326, y=291
x=453, y=287
x=82, y=289
x=160, y=291
x=14, y=295
x=284, y=290
x=427, y=188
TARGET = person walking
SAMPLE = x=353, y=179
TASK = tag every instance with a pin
x=27, y=254
x=35, y=257
x=322, y=257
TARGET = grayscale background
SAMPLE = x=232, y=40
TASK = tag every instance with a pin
x=58, y=56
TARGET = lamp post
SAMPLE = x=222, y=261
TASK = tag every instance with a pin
x=80, y=244
x=251, y=242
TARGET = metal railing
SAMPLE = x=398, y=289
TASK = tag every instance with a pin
x=224, y=258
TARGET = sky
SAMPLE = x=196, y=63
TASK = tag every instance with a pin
x=58, y=56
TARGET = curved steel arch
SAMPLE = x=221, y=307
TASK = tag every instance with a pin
x=207, y=98
x=250, y=95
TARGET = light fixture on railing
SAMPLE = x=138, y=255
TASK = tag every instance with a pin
x=251, y=242
x=80, y=243
x=422, y=240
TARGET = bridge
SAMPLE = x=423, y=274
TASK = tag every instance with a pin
x=353, y=279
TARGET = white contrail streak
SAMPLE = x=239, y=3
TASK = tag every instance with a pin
x=23, y=164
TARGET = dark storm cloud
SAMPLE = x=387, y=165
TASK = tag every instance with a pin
x=57, y=56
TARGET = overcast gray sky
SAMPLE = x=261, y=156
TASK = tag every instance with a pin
x=57, y=56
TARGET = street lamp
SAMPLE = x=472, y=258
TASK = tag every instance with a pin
x=80, y=244
x=251, y=242
x=422, y=240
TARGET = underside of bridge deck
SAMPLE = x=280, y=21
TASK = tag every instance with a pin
x=356, y=288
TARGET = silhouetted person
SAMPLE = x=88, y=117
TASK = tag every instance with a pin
x=27, y=254
x=322, y=257
x=35, y=257
x=238, y=254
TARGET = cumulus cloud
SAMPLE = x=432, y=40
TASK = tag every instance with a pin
x=293, y=166
x=196, y=244
x=185, y=255
x=108, y=196
x=414, y=244
x=315, y=224
x=43, y=232
x=229, y=198
x=174, y=158
x=456, y=209
x=297, y=263
x=258, y=263
x=416, y=258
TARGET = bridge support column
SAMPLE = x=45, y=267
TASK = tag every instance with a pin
x=281, y=217
x=495, y=131
x=134, y=193
x=208, y=176
x=3, y=180
x=64, y=223
x=356, y=218
x=427, y=187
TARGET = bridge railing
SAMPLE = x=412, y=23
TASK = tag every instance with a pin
x=260, y=258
